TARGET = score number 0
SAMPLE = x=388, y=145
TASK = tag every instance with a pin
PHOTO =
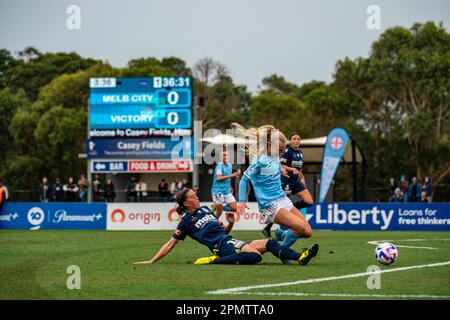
x=172, y=118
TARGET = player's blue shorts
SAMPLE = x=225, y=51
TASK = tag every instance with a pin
x=293, y=188
x=229, y=246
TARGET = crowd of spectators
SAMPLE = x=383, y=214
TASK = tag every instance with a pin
x=136, y=190
x=410, y=192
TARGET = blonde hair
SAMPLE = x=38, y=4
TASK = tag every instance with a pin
x=259, y=139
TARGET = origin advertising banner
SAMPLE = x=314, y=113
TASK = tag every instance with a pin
x=163, y=216
x=53, y=215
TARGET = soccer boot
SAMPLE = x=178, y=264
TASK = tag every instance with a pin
x=307, y=254
x=206, y=260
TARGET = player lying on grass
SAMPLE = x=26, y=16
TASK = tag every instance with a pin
x=201, y=224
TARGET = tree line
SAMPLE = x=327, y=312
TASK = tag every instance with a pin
x=394, y=103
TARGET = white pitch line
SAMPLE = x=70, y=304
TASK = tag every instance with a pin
x=376, y=242
x=423, y=239
x=344, y=295
x=348, y=276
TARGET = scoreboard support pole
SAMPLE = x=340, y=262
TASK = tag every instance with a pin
x=88, y=169
x=197, y=140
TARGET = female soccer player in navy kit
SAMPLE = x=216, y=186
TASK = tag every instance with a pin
x=266, y=145
x=294, y=183
x=201, y=224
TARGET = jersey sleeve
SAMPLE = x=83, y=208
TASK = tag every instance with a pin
x=181, y=231
x=253, y=170
x=286, y=158
x=219, y=169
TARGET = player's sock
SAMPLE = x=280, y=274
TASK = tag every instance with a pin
x=266, y=230
x=280, y=251
x=300, y=204
x=279, y=234
x=239, y=258
x=289, y=238
x=268, y=227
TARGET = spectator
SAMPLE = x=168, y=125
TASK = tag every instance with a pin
x=392, y=187
x=83, y=184
x=163, y=189
x=397, y=196
x=180, y=185
x=3, y=195
x=185, y=184
x=141, y=191
x=414, y=190
x=403, y=185
x=197, y=191
x=174, y=188
x=131, y=190
x=71, y=190
x=44, y=190
x=57, y=191
x=110, y=192
x=97, y=188
x=428, y=188
x=423, y=197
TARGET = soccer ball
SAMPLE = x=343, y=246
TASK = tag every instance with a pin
x=386, y=253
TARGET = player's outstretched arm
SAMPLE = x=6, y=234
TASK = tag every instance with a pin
x=165, y=249
x=290, y=169
x=243, y=194
x=221, y=177
x=230, y=219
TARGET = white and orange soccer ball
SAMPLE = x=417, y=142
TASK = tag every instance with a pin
x=386, y=253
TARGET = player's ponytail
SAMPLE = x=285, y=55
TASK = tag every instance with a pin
x=181, y=198
x=259, y=139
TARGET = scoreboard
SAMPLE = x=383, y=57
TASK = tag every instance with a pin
x=140, y=107
x=140, y=124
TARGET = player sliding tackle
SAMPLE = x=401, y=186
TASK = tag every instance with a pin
x=201, y=224
x=265, y=147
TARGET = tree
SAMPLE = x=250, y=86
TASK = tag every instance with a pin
x=404, y=87
x=34, y=69
x=9, y=104
x=228, y=103
x=7, y=62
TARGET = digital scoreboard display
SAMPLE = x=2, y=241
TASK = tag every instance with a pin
x=140, y=107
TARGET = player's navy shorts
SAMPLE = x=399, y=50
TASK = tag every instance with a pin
x=293, y=188
x=229, y=246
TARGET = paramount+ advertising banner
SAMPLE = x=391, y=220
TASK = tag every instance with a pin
x=53, y=215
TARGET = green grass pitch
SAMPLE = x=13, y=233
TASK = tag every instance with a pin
x=33, y=265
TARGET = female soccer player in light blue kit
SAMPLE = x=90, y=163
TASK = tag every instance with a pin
x=221, y=189
x=266, y=146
